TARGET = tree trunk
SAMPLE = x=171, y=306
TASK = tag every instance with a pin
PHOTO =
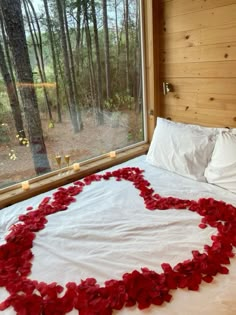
x=61, y=74
x=117, y=39
x=82, y=59
x=106, y=48
x=72, y=69
x=126, y=20
x=78, y=35
x=38, y=55
x=71, y=95
x=90, y=58
x=7, y=51
x=100, y=117
x=39, y=50
x=58, y=105
x=138, y=63
x=13, y=99
x=15, y=30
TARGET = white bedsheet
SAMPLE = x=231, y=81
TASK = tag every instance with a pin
x=103, y=235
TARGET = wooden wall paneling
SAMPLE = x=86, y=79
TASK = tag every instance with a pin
x=152, y=49
x=222, y=69
x=203, y=85
x=229, y=115
x=198, y=57
x=180, y=99
x=223, y=102
x=178, y=7
x=202, y=116
x=208, y=119
x=201, y=19
x=194, y=110
x=215, y=52
x=204, y=101
x=180, y=39
x=219, y=34
x=208, y=36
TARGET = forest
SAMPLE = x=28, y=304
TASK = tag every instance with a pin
x=70, y=82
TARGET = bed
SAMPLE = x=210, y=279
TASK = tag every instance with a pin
x=150, y=236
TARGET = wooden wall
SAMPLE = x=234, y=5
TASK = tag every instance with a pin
x=198, y=57
x=150, y=10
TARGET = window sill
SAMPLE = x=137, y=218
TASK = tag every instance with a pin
x=40, y=184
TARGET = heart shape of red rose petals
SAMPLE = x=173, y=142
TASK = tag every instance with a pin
x=143, y=287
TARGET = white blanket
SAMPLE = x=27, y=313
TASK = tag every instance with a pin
x=108, y=231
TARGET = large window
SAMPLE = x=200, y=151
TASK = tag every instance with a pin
x=70, y=83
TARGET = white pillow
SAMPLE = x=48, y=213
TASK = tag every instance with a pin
x=182, y=148
x=221, y=170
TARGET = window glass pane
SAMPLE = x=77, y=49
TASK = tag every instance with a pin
x=70, y=83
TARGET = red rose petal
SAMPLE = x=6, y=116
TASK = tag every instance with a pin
x=144, y=288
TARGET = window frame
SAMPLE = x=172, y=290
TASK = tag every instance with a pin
x=151, y=88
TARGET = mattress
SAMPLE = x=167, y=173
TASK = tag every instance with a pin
x=108, y=231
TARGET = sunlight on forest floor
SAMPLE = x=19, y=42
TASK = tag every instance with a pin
x=120, y=130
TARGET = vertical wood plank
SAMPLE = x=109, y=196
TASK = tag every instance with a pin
x=151, y=37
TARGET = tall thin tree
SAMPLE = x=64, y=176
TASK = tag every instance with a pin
x=37, y=46
x=117, y=36
x=14, y=25
x=8, y=54
x=54, y=62
x=106, y=48
x=90, y=57
x=71, y=95
x=13, y=99
x=72, y=66
x=100, y=117
x=138, y=62
x=78, y=34
x=126, y=22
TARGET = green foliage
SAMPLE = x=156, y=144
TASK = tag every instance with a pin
x=135, y=135
x=130, y=136
x=4, y=102
x=85, y=90
x=119, y=101
x=4, y=109
x=4, y=133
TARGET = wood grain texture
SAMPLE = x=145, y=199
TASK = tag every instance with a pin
x=200, y=19
x=222, y=69
x=198, y=57
x=201, y=118
x=152, y=48
x=196, y=100
x=203, y=85
x=203, y=53
x=208, y=36
x=178, y=7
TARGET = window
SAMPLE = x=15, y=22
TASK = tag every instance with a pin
x=70, y=83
